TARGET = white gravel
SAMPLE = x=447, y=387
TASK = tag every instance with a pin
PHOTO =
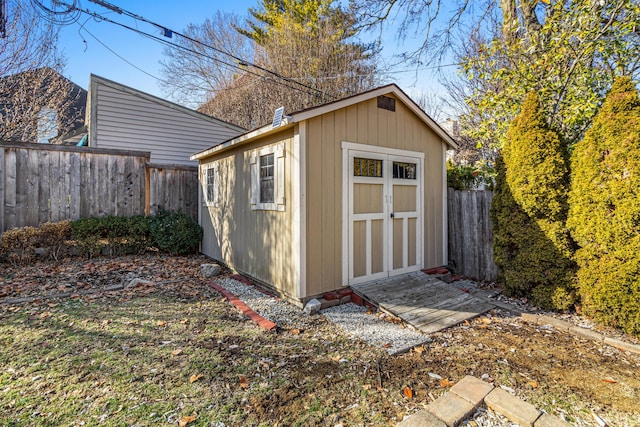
x=280, y=312
x=374, y=329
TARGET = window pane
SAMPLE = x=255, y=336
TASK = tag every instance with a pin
x=404, y=170
x=210, y=185
x=266, y=178
x=367, y=167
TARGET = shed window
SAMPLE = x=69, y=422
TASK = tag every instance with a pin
x=268, y=178
x=209, y=185
x=404, y=170
x=367, y=167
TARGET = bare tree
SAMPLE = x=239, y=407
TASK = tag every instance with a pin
x=203, y=65
x=298, y=63
x=35, y=100
x=316, y=72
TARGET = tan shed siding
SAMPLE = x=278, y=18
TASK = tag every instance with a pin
x=126, y=121
x=363, y=123
x=257, y=243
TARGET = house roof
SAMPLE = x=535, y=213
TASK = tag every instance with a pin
x=72, y=107
x=308, y=113
x=95, y=79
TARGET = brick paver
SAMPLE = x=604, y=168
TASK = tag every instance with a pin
x=510, y=406
x=472, y=389
x=547, y=420
x=451, y=408
x=422, y=419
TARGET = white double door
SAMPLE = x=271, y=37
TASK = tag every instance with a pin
x=385, y=235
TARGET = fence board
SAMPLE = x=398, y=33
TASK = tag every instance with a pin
x=470, y=234
x=22, y=163
x=74, y=185
x=32, y=184
x=10, y=190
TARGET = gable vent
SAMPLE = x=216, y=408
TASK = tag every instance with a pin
x=386, y=103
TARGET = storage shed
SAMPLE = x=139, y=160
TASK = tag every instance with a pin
x=335, y=195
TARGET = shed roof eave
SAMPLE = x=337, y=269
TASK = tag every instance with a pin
x=239, y=140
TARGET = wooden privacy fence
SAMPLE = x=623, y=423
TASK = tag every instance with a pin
x=470, y=234
x=41, y=183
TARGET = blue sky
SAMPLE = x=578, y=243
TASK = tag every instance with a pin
x=119, y=54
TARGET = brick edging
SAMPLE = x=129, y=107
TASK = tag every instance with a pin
x=590, y=334
x=244, y=308
x=561, y=325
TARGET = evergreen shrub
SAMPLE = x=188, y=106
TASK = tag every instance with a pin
x=175, y=232
x=532, y=246
x=604, y=214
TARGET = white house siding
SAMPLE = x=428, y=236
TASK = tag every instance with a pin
x=124, y=118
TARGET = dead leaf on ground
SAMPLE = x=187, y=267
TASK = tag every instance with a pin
x=445, y=383
x=194, y=378
x=244, y=383
x=161, y=323
x=420, y=349
x=295, y=331
x=387, y=345
x=408, y=392
x=184, y=421
x=533, y=384
x=610, y=381
x=176, y=352
x=366, y=387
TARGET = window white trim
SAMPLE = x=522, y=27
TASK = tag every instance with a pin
x=210, y=176
x=278, y=177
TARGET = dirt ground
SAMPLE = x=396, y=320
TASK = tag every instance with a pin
x=313, y=375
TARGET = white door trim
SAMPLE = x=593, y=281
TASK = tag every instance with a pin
x=405, y=216
x=347, y=236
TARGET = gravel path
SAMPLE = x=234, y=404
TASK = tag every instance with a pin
x=375, y=328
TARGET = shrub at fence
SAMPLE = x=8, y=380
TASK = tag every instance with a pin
x=19, y=245
x=173, y=232
x=532, y=246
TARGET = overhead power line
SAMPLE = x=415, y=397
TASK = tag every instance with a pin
x=65, y=13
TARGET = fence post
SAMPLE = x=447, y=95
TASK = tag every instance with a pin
x=147, y=190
